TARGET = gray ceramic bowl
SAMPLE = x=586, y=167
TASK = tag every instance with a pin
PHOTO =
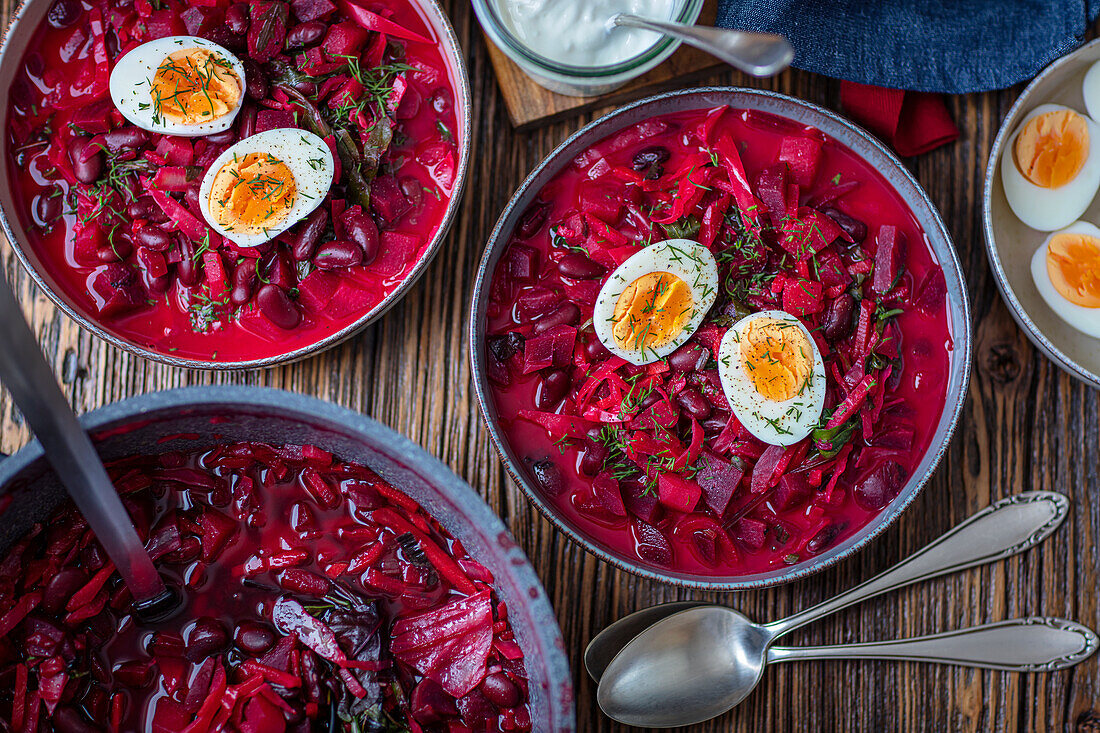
x=839, y=129
x=200, y=417
x=1010, y=243
x=16, y=39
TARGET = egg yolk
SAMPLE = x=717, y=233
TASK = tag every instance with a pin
x=1073, y=264
x=1052, y=147
x=777, y=357
x=252, y=193
x=193, y=85
x=652, y=311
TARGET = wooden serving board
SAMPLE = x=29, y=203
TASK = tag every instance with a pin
x=529, y=104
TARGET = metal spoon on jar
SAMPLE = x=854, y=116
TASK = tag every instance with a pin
x=728, y=651
x=759, y=54
x=34, y=388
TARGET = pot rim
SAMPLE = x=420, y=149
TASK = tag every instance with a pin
x=452, y=52
x=895, y=174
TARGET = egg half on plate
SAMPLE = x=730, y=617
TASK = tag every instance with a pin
x=262, y=185
x=1066, y=270
x=179, y=85
x=654, y=301
x=1051, y=167
x=773, y=376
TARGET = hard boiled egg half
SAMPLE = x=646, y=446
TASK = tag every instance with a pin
x=1066, y=269
x=1051, y=168
x=262, y=185
x=179, y=85
x=654, y=301
x=773, y=376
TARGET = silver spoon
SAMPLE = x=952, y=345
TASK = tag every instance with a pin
x=1006, y=528
x=674, y=673
x=34, y=388
x=759, y=54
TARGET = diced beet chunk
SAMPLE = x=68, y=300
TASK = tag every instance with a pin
x=607, y=491
x=802, y=155
x=267, y=30
x=639, y=501
x=387, y=199
x=751, y=532
x=889, y=259
x=879, y=487
x=307, y=10
x=119, y=290
x=651, y=544
x=522, y=263
x=677, y=493
x=719, y=480
x=793, y=489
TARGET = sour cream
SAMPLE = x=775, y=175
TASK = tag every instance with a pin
x=578, y=32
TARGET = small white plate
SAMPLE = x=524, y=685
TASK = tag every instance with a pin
x=1011, y=244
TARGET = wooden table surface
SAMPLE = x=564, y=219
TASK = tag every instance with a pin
x=1025, y=425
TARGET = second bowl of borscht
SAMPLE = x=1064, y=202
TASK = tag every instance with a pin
x=230, y=184
x=721, y=338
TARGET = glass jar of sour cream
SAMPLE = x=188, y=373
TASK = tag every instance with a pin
x=570, y=47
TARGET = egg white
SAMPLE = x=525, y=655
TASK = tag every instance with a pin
x=1091, y=91
x=307, y=156
x=132, y=79
x=775, y=423
x=690, y=261
x=1085, y=320
x=1047, y=209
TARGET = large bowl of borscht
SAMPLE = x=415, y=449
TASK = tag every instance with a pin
x=333, y=576
x=721, y=338
x=230, y=184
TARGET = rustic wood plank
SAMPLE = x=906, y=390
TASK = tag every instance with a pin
x=1025, y=425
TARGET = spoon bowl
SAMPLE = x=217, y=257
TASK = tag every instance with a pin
x=709, y=659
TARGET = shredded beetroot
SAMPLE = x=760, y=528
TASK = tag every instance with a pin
x=312, y=588
x=651, y=460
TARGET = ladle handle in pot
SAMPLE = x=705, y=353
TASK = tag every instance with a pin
x=1020, y=645
x=1006, y=528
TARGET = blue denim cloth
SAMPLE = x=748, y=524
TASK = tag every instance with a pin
x=924, y=45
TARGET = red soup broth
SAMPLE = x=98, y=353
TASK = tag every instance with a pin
x=735, y=506
x=206, y=309
x=312, y=590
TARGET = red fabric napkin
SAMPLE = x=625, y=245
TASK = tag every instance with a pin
x=910, y=122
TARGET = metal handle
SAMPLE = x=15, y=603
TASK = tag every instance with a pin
x=34, y=388
x=759, y=54
x=1004, y=529
x=1032, y=644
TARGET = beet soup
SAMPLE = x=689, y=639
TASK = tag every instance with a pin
x=113, y=212
x=647, y=452
x=316, y=597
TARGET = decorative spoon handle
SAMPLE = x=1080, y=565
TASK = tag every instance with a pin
x=759, y=54
x=1004, y=529
x=1032, y=644
x=34, y=388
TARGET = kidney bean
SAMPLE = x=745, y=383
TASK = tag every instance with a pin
x=276, y=306
x=246, y=122
x=207, y=637
x=254, y=79
x=593, y=458
x=838, y=318
x=34, y=64
x=361, y=229
x=67, y=719
x=47, y=207
x=595, y=350
x=254, y=637
x=63, y=13
x=187, y=270
x=61, y=587
x=552, y=387
x=142, y=208
x=651, y=160
x=154, y=238
x=566, y=314
x=690, y=357
x=155, y=286
x=87, y=164
x=693, y=403
x=136, y=673
x=823, y=538
x=225, y=137
x=244, y=277
x=855, y=228
x=306, y=33
x=309, y=234
x=338, y=254
x=500, y=690
x=413, y=190
x=548, y=476
x=236, y=18
x=109, y=254
x=152, y=261
x=125, y=138
x=580, y=267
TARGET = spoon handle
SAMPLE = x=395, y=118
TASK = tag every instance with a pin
x=33, y=386
x=759, y=54
x=1006, y=528
x=1032, y=644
